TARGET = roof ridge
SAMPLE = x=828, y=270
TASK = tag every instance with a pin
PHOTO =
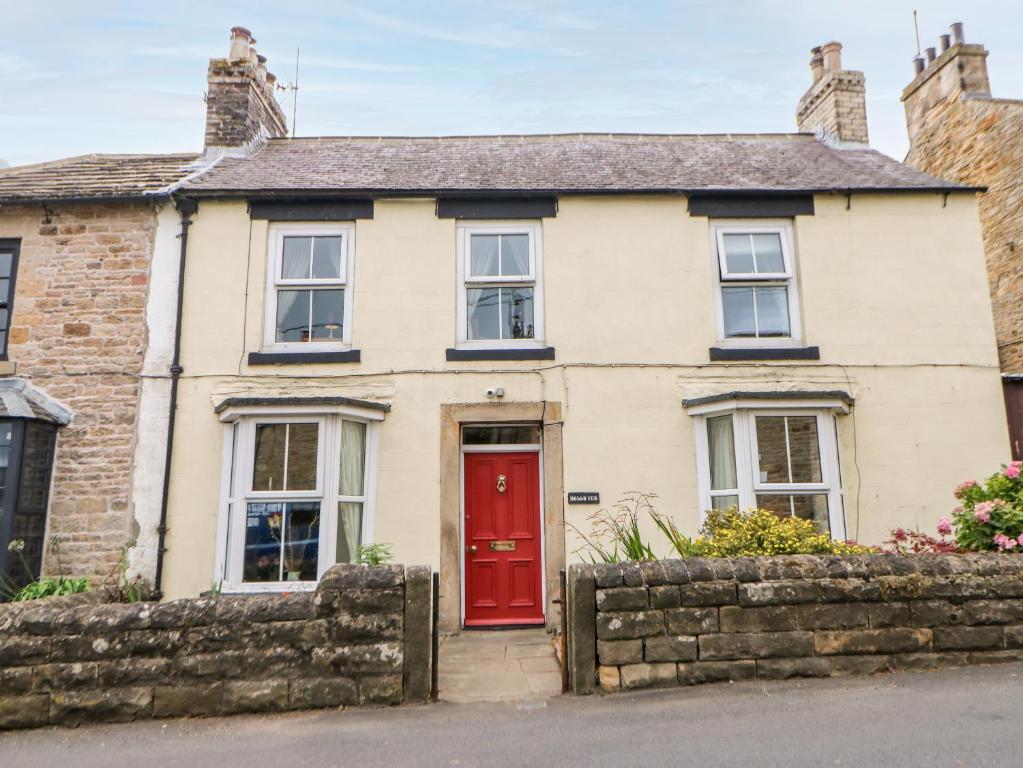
x=91, y=156
x=795, y=135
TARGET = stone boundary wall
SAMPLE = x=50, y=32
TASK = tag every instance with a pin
x=362, y=638
x=682, y=622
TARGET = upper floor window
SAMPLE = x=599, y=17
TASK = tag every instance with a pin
x=8, y=271
x=757, y=298
x=500, y=302
x=309, y=286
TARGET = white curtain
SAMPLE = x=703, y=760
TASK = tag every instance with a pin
x=353, y=478
x=721, y=444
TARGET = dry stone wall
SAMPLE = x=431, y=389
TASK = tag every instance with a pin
x=362, y=638
x=682, y=622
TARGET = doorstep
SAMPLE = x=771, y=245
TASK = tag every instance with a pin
x=508, y=665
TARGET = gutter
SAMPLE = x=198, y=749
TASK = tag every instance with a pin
x=186, y=208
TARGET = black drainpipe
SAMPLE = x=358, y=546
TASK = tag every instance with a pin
x=186, y=207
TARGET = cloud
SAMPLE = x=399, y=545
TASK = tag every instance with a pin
x=355, y=66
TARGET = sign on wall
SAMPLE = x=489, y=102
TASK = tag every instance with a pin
x=583, y=497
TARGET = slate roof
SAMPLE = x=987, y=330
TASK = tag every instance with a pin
x=94, y=177
x=567, y=163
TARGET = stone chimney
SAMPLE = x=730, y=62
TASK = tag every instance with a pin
x=835, y=106
x=240, y=104
x=959, y=71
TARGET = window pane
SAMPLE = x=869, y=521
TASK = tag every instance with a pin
x=809, y=507
x=5, y=287
x=516, y=313
x=268, y=466
x=6, y=259
x=721, y=444
x=353, y=458
x=327, y=258
x=504, y=435
x=804, y=449
x=301, y=541
x=295, y=263
x=738, y=253
x=302, y=446
x=773, y=464
x=724, y=502
x=349, y=531
x=768, y=250
x=483, y=311
x=293, y=315
x=3, y=319
x=483, y=259
x=773, y=311
x=328, y=315
x=514, y=255
x=262, y=560
x=737, y=305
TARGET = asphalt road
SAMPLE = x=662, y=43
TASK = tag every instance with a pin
x=960, y=717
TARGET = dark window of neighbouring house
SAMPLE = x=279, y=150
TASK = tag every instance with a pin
x=9, y=250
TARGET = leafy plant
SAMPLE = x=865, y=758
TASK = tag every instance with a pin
x=614, y=533
x=374, y=554
x=731, y=533
x=904, y=541
x=117, y=585
x=991, y=513
x=52, y=586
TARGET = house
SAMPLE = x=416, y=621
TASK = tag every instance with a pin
x=88, y=286
x=463, y=346
x=960, y=132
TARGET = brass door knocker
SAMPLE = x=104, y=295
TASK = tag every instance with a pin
x=502, y=483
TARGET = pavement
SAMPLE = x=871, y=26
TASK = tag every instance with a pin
x=956, y=717
x=511, y=665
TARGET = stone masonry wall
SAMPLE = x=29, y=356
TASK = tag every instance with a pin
x=681, y=622
x=78, y=333
x=362, y=638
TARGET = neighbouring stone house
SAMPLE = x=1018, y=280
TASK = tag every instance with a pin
x=960, y=132
x=461, y=346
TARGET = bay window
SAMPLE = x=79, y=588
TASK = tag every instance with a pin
x=783, y=459
x=297, y=498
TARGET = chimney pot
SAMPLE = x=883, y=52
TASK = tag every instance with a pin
x=241, y=39
x=261, y=68
x=945, y=42
x=832, y=53
x=271, y=80
x=919, y=65
x=958, y=38
x=816, y=64
x=931, y=54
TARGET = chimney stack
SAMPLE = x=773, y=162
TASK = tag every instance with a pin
x=241, y=108
x=835, y=105
x=960, y=69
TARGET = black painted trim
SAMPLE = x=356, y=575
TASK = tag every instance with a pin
x=14, y=246
x=320, y=210
x=496, y=207
x=459, y=355
x=751, y=206
x=291, y=401
x=304, y=358
x=725, y=354
x=804, y=394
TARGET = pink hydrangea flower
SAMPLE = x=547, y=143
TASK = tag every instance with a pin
x=1020, y=539
x=944, y=526
x=1004, y=543
x=982, y=511
x=963, y=487
x=1013, y=470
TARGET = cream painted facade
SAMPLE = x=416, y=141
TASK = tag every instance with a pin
x=892, y=288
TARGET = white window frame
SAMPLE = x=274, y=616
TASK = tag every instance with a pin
x=275, y=255
x=465, y=231
x=743, y=414
x=236, y=480
x=722, y=278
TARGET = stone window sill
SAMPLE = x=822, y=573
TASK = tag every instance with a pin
x=461, y=355
x=304, y=358
x=735, y=354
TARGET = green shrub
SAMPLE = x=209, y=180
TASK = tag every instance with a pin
x=51, y=587
x=374, y=554
x=991, y=515
x=731, y=533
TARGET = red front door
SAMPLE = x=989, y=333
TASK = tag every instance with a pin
x=503, y=564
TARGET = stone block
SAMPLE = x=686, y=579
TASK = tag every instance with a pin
x=418, y=638
x=934, y=613
x=700, y=568
x=344, y=576
x=382, y=689
x=1014, y=637
x=665, y=596
x=106, y=705
x=84, y=648
x=822, y=666
x=1010, y=656
x=648, y=675
x=29, y=711
x=617, y=652
x=609, y=678
x=255, y=696
x=883, y=615
x=153, y=642
x=868, y=641
x=968, y=638
x=607, y=575
x=581, y=642
x=779, y=593
x=186, y=700
x=831, y=616
x=676, y=572
x=625, y=626
x=632, y=574
x=391, y=600
x=314, y=693
x=710, y=593
x=848, y=591
x=361, y=627
x=133, y=671
x=927, y=661
x=369, y=658
x=226, y=664
x=61, y=677
x=698, y=672
x=669, y=648
x=20, y=650
x=756, y=645
x=992, y=612
x=771, y=618
x=623, y=599
x=653, y=573
x=691, y=621
x=15, y=680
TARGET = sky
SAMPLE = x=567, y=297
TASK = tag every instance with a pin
x=105, y=76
